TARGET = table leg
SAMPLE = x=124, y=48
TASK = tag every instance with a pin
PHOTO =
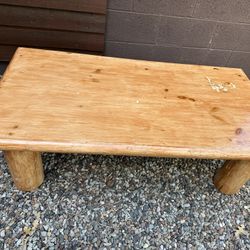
x=232, y=176
x=26, y=169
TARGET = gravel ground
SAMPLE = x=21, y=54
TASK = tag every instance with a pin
x=112, y=202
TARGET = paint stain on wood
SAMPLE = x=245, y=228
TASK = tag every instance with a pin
x=182, y=97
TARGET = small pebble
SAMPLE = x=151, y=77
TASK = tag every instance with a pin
x=2, y=233
x=44, y=234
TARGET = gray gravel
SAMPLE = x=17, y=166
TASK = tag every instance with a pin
x=111, y=202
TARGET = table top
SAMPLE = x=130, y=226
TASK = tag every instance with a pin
x=67, y=102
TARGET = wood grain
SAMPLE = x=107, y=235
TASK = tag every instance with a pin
x=63, y=25
x=26, y=169
x=93, y=6
x=56, y=39
x=65, y=102
x=51, y=19
x=232, y=176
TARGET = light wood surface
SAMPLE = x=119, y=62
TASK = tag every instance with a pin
x=25, y=168
x=65, y=102
x=232, y=176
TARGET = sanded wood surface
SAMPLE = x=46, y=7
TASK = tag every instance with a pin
x=64, y=102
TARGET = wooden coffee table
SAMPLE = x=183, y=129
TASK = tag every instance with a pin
x=72, y=103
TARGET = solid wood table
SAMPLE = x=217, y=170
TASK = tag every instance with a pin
x=73, y=103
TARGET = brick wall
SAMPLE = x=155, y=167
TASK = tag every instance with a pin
x=210, y=32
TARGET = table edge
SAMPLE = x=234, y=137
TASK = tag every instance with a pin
x=127, y=149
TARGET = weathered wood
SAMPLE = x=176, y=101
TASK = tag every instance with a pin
x=232, y=176
x=62, y=25
x=49, y=39
x=93, y=6
x=26, y=169
x=64, y=102
x=51, y=19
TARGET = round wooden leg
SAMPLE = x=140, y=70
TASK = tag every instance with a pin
x=26, y=169
x=232, y=176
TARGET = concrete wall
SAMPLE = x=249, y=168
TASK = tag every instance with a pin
x=210, y=32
